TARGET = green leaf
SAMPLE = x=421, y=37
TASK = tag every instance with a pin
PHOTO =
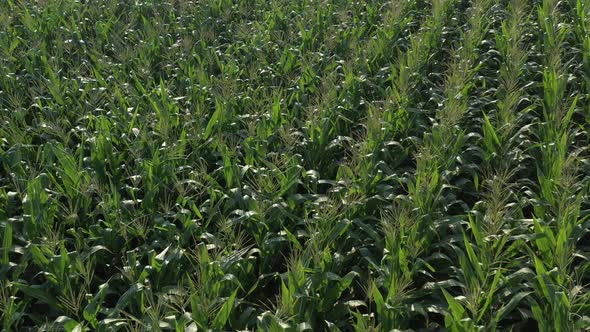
x=68, y=323
x=490, y=295
x=223, y=315
x=39, y=257
x=196, y=210
x=456, y=308
x=93, y=307
x=491, y=140
x=293, y=239
x=215, y=117
x=334, y=293
x=379, y=302
x=126, y=299
x=539, y=317
x=64, y=260
x=544, y=239
x=6, y=242
x=514, y=301
x=37, y=293
x=473, y=258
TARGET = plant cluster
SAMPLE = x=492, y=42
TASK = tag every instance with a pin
x=312, y=165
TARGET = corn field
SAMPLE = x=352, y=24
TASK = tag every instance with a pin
x=310, y=165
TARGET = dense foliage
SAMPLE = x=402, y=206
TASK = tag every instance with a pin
x=294, y=165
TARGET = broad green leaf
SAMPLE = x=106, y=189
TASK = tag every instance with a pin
x=223, y=315
x=38, y=293
x=456, y=308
